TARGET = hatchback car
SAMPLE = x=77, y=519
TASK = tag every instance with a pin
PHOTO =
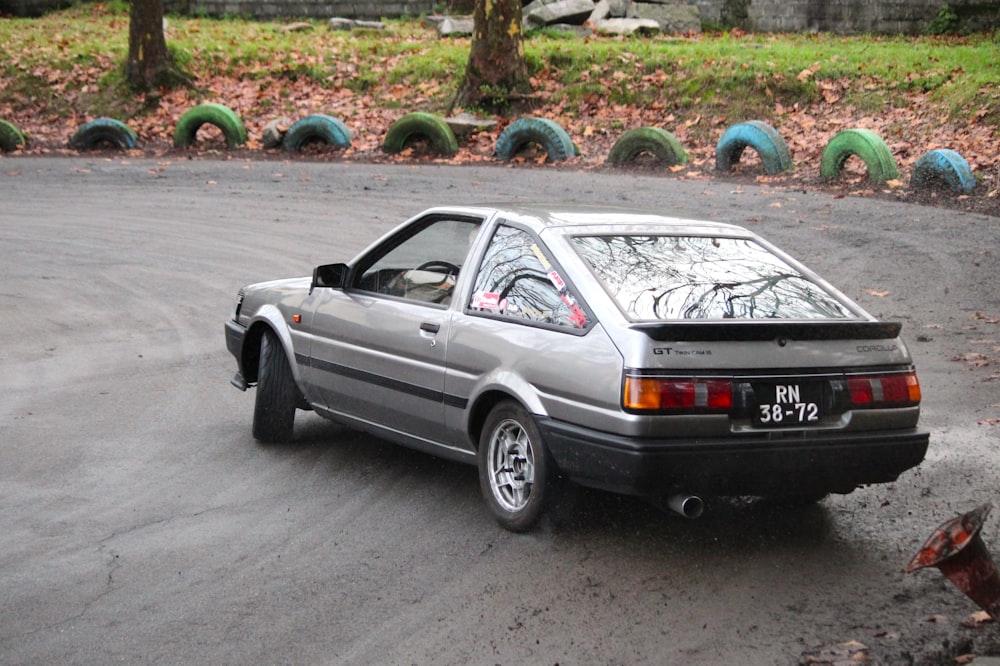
x=623, y=350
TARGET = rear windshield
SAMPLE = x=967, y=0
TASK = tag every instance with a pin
x=695, y=277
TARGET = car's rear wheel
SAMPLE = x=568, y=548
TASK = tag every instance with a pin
x=277, y=395
x=516, y=473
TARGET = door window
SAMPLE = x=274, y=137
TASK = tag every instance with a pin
x=421, y=265
x=518, y=281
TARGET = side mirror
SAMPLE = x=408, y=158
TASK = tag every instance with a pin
x=333, y=276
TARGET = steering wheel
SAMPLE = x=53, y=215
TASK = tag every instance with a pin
x=435, y=265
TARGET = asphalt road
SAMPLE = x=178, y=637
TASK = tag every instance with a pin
x=141, y=523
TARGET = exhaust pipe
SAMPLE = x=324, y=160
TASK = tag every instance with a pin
x=689, y=506
x=956, y=548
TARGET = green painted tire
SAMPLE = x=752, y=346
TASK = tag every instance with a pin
x=418, y=124
x=657, y=142
x=868, y=146
x=317, y=127
x=104, y=130
x=760, y=136
x=213, y=114
x=10, y=137
x=542, y=131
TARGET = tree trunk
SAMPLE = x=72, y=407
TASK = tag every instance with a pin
x=148, y=65
x=497, y=73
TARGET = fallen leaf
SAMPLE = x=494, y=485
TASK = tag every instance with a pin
x=977, y=619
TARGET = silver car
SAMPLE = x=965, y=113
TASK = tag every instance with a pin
x=623, y=350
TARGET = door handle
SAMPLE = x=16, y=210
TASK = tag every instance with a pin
x=429, y=327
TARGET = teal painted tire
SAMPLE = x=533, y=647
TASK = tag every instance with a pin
x=104, y=131
x=943, y=167
x=868, y=146
x=10, y=137
x=317, y=127
x=413, y=125
x=659, y=143
x=760, y=136
x=212, y=114
x=549, y=135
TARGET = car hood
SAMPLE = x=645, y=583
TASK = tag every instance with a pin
x=275, y=291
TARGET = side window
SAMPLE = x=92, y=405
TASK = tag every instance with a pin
x=421, y=265
x=517, y=281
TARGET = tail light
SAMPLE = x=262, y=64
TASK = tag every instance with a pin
x=889, y=390
x=700, y=395
x=677, y=394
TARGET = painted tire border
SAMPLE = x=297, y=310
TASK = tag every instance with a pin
x=546, y=133
x=213, y=114
x=658, y=142
x=90, y=134
x=10, y=137
x=319, y=126
x=418, y=123
x=760, y=136
x=943, y=166
x=865, y=144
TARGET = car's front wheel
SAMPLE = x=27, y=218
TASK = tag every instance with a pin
x=277, y=394
x=516, y=474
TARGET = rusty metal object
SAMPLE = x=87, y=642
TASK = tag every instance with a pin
x=957, y=549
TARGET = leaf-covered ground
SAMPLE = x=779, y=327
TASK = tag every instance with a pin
x=911, y=125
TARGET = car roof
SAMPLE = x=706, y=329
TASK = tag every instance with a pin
x=579, y=218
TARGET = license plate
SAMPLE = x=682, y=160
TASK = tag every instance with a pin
x=788, y=404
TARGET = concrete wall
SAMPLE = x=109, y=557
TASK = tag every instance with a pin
x=273, y=9
x=838, y=16
x=849, y=16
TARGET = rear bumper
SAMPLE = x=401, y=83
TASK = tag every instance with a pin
x=766, y=464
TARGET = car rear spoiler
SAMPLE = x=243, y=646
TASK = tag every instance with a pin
x=757, y=331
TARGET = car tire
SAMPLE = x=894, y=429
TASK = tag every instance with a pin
x=213, y=114
x=868, y=146
x=10, y=137
x=549, y=135
x=440, y=135
x=760, y=136
x=317, y=127
x=104, y=130
x=516, y=473
x=657, y=142
x=277, y=395
x=943, y=167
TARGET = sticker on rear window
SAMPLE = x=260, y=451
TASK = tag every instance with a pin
x=486, y=300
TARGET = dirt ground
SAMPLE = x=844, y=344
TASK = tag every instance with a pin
x=143, y=524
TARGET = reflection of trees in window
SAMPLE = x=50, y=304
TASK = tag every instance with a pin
x=513, y=271
x=694, y=277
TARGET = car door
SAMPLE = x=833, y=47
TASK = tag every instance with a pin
x=379, y=346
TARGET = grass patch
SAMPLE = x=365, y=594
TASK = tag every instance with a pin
x=719, y=74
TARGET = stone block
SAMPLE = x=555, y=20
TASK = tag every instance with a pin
x=543, y=12
x=628, y=26
x=673, y=19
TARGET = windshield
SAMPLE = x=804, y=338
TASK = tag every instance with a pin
x=696, y=277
